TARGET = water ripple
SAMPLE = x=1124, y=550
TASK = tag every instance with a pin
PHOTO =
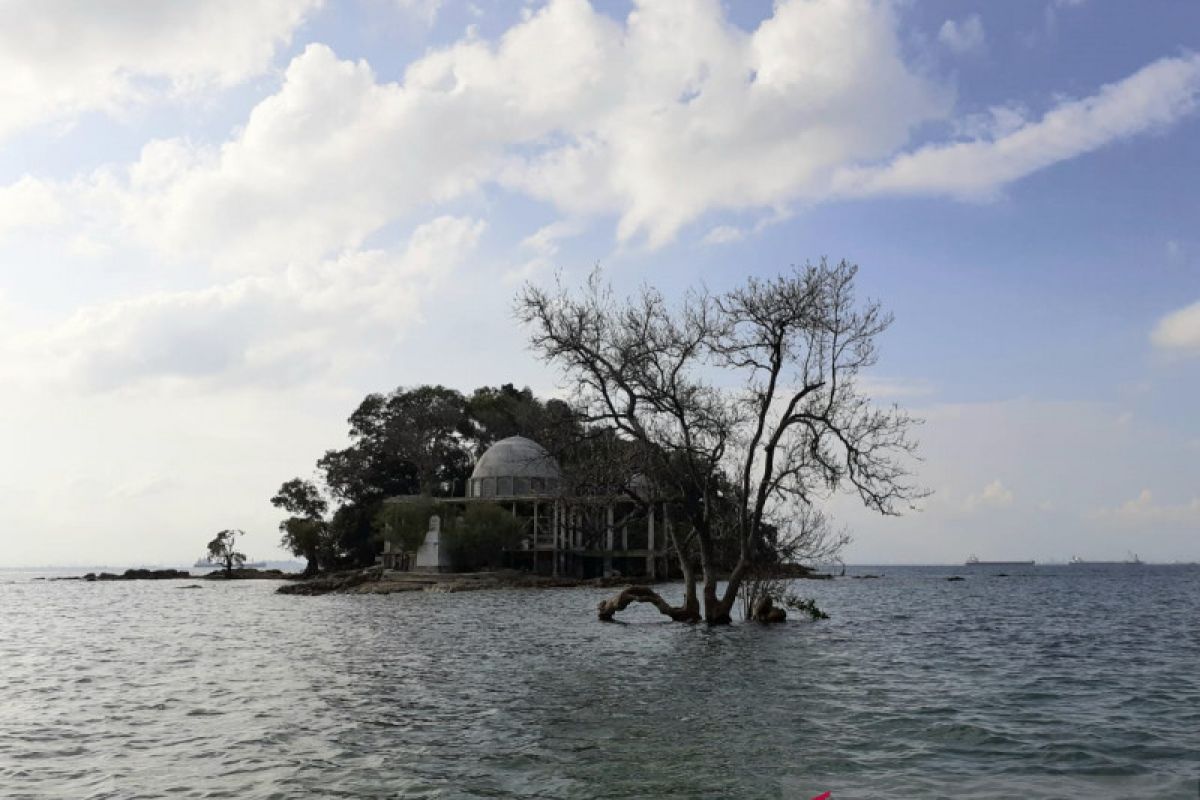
x=1051, y=683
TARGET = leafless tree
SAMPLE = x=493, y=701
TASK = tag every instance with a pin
x=746, y=400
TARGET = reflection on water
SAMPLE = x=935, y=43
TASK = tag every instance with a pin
x=1046, y=683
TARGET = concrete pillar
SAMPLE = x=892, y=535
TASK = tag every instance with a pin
x=651, y=561
x=557, y=515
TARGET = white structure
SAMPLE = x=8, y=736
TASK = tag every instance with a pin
x=584, y=535
x=432, y=557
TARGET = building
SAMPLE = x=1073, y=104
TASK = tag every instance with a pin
x=567, y=532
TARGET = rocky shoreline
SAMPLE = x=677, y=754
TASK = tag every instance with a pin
x=372, y=581
x=179, y=574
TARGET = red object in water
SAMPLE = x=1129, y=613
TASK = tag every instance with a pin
x=825, y=796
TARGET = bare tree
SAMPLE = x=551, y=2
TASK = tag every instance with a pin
x=745, y=404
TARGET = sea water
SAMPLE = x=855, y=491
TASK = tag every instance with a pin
x=1043, y=682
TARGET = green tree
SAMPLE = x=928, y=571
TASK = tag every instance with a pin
x=222, y=550
x=499, y=412
x=479, y=537
x=305, y=533
x=405, y=524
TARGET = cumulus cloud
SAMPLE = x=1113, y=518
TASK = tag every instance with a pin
x=28, y=204
x=278, y=328
x=994, y=495
x=1152, y=98
x=59, y=58
x=656, y=121
x=1179, y=331
x=962, y=37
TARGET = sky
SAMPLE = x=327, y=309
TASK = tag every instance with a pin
x=224, y=223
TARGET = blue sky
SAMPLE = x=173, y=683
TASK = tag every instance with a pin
x=223, y=223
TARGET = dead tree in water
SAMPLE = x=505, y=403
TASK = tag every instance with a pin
x=743, y=406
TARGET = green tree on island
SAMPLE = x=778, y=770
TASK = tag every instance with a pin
x=411, y=441
x=305, y=533
x=478, y=538
x=745, y=406
x=221, y=550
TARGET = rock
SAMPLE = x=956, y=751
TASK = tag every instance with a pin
x=139, y=575
x=244, y=573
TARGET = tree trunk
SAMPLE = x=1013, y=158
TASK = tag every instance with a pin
x=688, y=612
x=715, y=613
x=725, y=608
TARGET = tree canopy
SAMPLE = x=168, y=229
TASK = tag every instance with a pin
x=222, y=550
x=411, y=441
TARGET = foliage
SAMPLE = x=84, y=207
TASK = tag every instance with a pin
x=221, y=549
x=301, y=498
x=806, y=537
x=305, y=533
x=805, y=605
x=309, y=539
x=499, y=412
x=405, y=524
x=478, y=538
x=410, y=441
x=745, y=406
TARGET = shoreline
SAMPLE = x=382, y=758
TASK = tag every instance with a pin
x=374, y=582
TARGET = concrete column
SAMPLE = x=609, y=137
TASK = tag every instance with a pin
x=557, y=516
x=651, y=561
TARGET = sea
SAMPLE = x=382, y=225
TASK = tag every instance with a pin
x=1015, y=682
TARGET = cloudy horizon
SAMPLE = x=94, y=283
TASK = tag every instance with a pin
x=223, y=224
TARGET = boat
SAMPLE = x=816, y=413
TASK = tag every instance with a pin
x=205, y=562
x=1132, y=561
x=973, y=561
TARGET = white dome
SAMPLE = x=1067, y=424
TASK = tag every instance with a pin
x=514, y=467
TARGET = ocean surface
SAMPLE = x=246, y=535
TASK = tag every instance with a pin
x=1046, y=682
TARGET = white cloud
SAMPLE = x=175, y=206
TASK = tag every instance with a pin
x=292, y=325
x=59, y=59
x=1152, y=98
x=994, y=495
x=724, y=234
x=884, y=388
x=1144, y=511
x=1179, y=331
x=674, y=114
x=963, y=37
x=425, y=11
x=28, y=204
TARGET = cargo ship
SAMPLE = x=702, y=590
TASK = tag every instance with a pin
x=973, y=561
x=1132, y=561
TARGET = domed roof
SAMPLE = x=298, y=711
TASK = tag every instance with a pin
x=516, y=457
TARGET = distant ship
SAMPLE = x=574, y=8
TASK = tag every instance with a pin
x=204, y=561
x=973, y=561
x=1132, y=561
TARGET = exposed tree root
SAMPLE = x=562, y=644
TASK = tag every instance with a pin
x=688, y=612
